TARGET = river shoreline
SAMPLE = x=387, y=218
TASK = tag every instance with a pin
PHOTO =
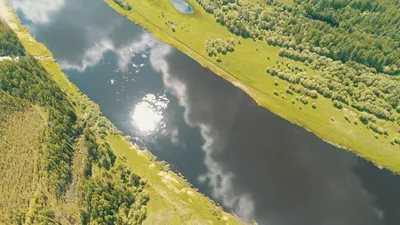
x=142, y=161
x=384, y=159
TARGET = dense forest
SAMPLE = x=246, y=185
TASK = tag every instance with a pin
x=69, y=172
x=353, y=47
x=9, y=44
x=363, y=31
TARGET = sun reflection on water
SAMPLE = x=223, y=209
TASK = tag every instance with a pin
x=147, y=114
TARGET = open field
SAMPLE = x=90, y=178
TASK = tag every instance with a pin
x=245, y=68
x=19, y=149
x=172, y=200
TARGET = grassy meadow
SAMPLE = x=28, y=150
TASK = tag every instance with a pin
x=19, y=145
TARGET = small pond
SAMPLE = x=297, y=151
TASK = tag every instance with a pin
x=182, y=6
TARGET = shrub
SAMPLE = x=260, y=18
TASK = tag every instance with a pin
x=293, y=101
x=365, y=117
x=276, y=92
x=297, y=88
x=304, y=100
x=223, y=50
x=314, y=105
x=123, y=4
x=337, y=104
x=276, y=83
x=385, y=132
x=289, y=91
x=396, y=140
x=219, y=45
x=376, y=128
x=312, y=94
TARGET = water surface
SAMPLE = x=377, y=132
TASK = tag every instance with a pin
x=182, y=6
x=243, y=156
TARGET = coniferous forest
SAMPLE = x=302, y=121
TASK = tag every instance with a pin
x=67, y=171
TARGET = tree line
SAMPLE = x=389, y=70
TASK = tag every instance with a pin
x=363, y=31
x=353, y=44
x=378, y=94
x=107, y=191
x=25, y=79
x=9, y=43
x=111, y=193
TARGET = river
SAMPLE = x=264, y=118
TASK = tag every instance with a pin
x=246, y=158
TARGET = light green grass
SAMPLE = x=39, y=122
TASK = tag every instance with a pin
x=19, y=149
x=172, y=200
x=245, y=68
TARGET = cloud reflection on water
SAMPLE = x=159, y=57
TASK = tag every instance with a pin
x=158, y=53
x=248, y=170
x=93, y=55
x=37, y=11
x=242, y=204
x=301, y=181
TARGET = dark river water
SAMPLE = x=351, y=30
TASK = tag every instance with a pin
x=246, y=158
